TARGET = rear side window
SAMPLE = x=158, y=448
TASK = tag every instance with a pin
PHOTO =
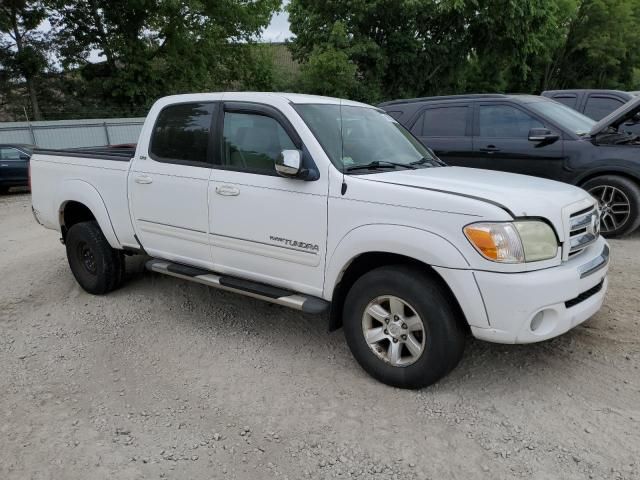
x=181, y=133
x=442, y=122
x=8, y=153
x=504, y=121
x=569, y=100
x=599, y=107
x=252, y=142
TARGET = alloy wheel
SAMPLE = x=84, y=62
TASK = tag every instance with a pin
x=615, y=207
x=394, y=331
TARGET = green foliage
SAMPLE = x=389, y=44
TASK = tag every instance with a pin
x=407, y=48
x=23, y=49
x=158, y=47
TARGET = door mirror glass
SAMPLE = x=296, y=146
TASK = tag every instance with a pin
x=24, y=156
x=289, y=163
x=542, y=135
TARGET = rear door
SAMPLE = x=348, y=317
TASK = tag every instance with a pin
x=168, y=185
x=501, y=139
x=265, y=227
x=446, y=129
x=14, y=166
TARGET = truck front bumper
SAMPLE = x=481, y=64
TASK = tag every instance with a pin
x=535, y=306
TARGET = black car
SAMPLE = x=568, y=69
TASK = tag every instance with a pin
x=595, y=104
x=14, y=165
x=535, y=136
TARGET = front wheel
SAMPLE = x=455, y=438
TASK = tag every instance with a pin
x=402, y=327
x=619, y=201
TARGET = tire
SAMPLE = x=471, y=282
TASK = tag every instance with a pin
x=97, y=267
x=614, y=223
x=442, y=337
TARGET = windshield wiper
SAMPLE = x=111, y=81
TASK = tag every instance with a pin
x=375, y=165
x=433, y=161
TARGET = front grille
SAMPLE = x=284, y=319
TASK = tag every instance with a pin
x=584, y=229
x=584, y=296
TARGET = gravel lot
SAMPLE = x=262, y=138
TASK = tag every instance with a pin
x=167, y=379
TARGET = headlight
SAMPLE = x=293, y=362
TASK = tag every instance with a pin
x=516, y=242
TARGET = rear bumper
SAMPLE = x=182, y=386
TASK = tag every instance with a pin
x=535, y=306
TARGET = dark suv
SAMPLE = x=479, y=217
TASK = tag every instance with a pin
x=595, y=104
x=535, y=136
x=14, y=165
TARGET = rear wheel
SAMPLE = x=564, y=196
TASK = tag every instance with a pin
x=402, y=326
x=97, y=266
x=619, y=201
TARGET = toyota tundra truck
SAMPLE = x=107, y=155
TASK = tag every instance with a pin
x=328, y=205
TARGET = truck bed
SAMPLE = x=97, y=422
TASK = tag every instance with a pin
x=96, y=177
x=118, y=154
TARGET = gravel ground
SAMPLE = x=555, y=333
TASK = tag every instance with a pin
x=168, y=379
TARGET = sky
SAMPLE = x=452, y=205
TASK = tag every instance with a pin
x=278, y=29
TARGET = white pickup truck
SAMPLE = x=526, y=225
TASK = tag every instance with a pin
x=322, y=204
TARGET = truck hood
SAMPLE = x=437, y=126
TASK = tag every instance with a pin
x=616, y=118
x=520, y=195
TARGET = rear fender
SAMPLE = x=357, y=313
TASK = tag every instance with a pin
x=76, y=190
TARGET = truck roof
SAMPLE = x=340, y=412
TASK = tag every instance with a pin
x=297, y=98
x=472, y=96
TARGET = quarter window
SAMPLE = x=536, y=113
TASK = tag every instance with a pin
x=181, y=133
x=504, y=121
x=599, y=107
x=252, y=142
x=442, y=122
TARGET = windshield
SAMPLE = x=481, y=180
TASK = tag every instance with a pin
x=360, y=136
x=564, y=117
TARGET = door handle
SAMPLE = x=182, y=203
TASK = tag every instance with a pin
x=490, y=149
x=143, y=179
x=227, y=191
x=4, y=165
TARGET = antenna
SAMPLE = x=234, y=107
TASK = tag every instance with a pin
x=343, y=189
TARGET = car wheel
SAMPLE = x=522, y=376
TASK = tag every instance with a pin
x=97, y=266
x=403, y=327
x=619, y=200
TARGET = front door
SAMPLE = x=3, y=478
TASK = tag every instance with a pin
x=502, y=141
x=168, y=187
x=265, y=227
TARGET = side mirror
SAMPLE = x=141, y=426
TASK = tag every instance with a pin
x=542, y=135
x=289, y=163
x=24, y=156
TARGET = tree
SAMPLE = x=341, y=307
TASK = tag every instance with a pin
x=152, y=48
x=22, y=47
x=407, y=48
x=598, y=46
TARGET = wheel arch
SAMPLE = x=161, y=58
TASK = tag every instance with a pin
x=372, y=246
x=79, y=202
x=624, y=173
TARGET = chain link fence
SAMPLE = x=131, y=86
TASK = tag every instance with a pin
x=72, y=133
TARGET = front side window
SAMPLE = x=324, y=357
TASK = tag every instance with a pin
x=563, y=116
x=504, y=121
x=181, y=133
x=599, y=107
x=354, y=136
x=253, y=142
x=442, y=122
